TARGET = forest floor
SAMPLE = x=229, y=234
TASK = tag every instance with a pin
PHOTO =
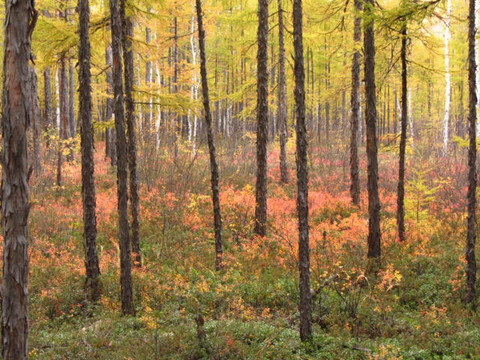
x=412, y=309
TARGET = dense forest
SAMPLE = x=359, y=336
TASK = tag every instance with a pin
x=239, y=179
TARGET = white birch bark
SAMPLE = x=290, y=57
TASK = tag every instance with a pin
x=158, y=120
x=192, y=128
x=410, y=114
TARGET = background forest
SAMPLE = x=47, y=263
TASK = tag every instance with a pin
x=192, y=299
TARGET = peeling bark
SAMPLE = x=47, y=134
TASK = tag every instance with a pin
x=19, y=24
x=92, y=270
x=128, y=307
x=262, y=120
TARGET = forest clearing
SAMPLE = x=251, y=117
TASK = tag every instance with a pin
x=236, y=179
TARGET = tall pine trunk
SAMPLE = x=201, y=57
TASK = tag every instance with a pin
x=472, y=158
x=63, y=126
x=72, y=129
x=122, y=191
x=305, y=305
x=262, y=120
x=355, y=104
x=403, y=140
x=148, y=81
x=448, y=90
x=19, y=24
x=47, y=114
x=92, y=269
x=111, y=145
x=35, y=121
x=217, y=218
x=282, y=97
x=374, y=250
x=131, y=131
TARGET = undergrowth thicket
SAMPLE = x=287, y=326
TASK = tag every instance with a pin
x=412, y=309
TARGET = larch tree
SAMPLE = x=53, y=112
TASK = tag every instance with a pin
x=262, y=120
x=472, y=157
x=355, y=106
x=63, y=113
x=129, y=77
x=19, y=24
x=110, y=142
x=92, y=269
x=305, y=305
x=72, y=127
x=35, y=121
x=403, y=138
x=448, y=87
x=282, y=96
x=47, y=111
x=374, y=246
x=217, y=217
x=128, y=307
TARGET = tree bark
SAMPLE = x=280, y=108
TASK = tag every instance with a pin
x=35, y=120
x=71, y=108
x=282, y=97
x=111, y=146
x=47, y=120
x=148, y=81
x=217, y=217
x=175, y=117
x=92, y=270
x=262, y=120
x=193, y=92
x=448, y=90
x=128, y=307
x=355, y=104
x=374, y=249
x=305, y=305
x=472, y=158
x=63, y=126
x=131, y=132
x=19, y=23
x=403, y=140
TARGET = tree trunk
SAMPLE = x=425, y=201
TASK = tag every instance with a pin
x=477, y=73
x=355, y=104
x=262, y=120
x=35, y=120
x=92, y=285
x=47, y=120
x=448, y=91
x=63, y=126
x=305, y=305
x=193, y=92
x=217, y=218
x=19, y=23
x=111, y=145
x=403, y=140
x=158, y=121
x=71, y=108
x=131, y=132
x=176, y=119
x=128, y=307
x=472, y=158
x=374, y=250
x=410, y=116
x=282, y=97
x=148, y=81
